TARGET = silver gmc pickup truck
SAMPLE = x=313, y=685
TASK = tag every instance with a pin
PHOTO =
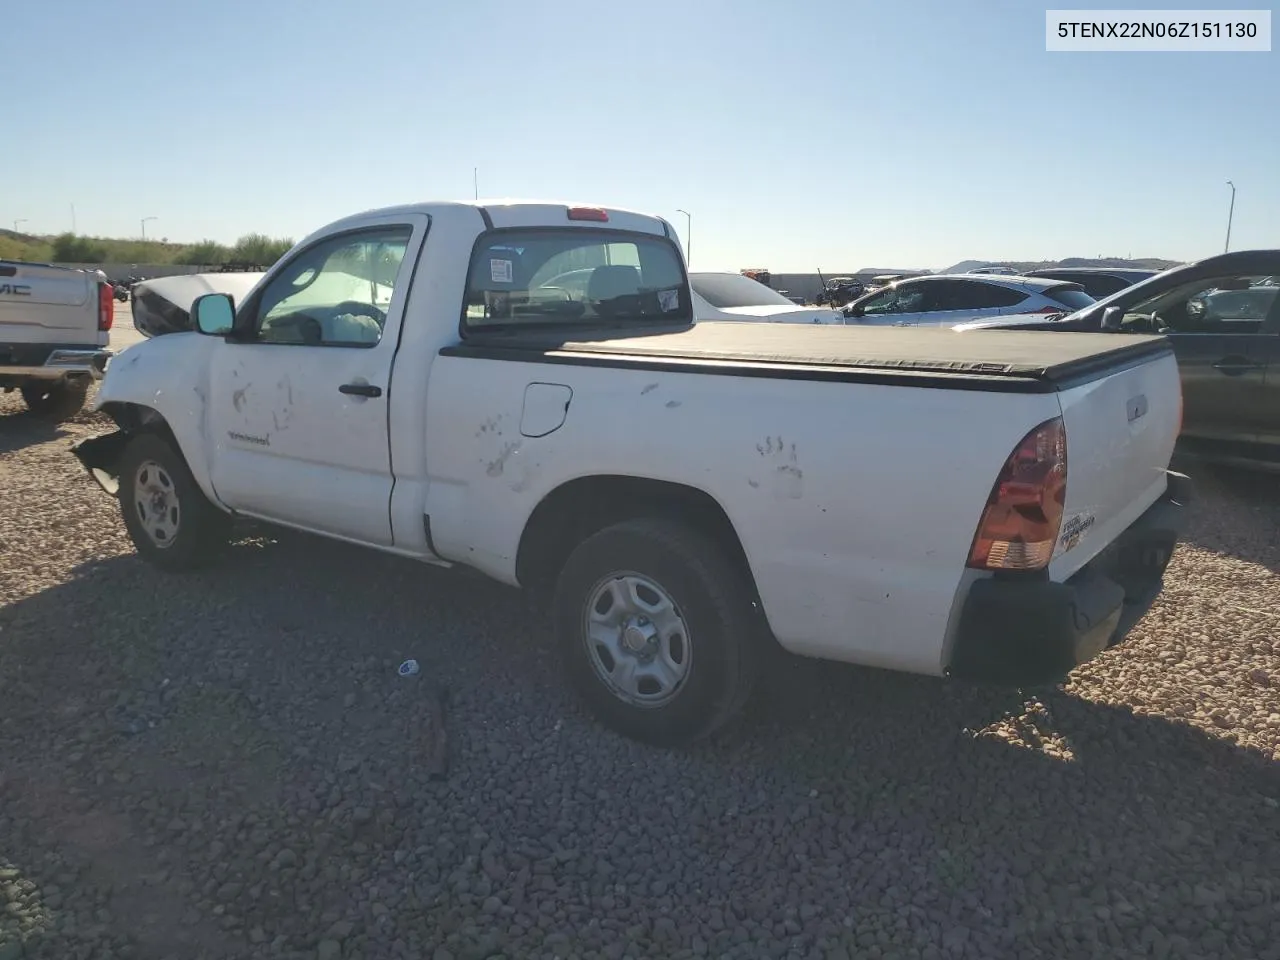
x=55, y=324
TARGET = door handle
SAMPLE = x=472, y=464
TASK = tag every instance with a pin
x=360, y=390
x=1232, y=366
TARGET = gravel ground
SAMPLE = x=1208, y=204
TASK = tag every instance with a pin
x=228, y=766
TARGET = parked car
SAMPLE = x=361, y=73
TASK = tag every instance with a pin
x=841, y=291
x=55, y=325
x=679, y=492
x=996, y=270
x=733, y=296
x=1223, y=318
x=947, y=299
x=1098, y=282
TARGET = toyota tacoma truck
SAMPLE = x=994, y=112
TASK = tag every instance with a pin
x=55, y=324
x=423, y=380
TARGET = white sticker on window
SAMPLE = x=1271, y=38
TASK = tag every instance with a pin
x=500, y=271
x=669, y=300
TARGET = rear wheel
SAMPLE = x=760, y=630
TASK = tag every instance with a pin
x=170, y=520
x=56, y=400
x=657, y=630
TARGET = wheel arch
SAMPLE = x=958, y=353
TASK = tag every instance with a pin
x=580, y=507
x=103, y=453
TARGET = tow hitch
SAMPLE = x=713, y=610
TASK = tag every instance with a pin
x=99, y=455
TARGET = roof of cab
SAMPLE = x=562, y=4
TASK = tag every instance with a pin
x=497, y=206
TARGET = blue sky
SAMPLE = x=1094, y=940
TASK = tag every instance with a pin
x=827, y=133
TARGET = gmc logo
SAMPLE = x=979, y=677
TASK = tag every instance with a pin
x=16, y=289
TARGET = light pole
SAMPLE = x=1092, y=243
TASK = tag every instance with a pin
x=1230, y=214
x=144, y=225
x=688, y=235
x=16, y=222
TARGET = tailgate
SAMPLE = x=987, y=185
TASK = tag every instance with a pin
x=1121, y=427
x=46, y=304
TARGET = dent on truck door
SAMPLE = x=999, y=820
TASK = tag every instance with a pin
x=298, y=412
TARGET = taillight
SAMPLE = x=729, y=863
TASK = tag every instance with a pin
x=598, y=214
x=1024, y=511
x=106, y=305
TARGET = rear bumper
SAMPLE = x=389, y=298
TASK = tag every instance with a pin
x=21, y=362
x=1030, y=632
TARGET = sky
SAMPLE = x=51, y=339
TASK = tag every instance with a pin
x=829, y=134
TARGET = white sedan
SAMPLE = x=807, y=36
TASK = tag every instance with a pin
x=731, y=296
x=947, y=299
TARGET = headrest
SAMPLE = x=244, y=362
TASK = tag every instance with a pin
x=613, y=281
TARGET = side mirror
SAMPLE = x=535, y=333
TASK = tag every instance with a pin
x=1111, y=318
x=214, y=314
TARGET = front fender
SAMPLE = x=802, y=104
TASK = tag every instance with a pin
x=169, y=376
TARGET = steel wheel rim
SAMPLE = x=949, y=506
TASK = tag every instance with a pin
x=636, y=639
x=155, y=503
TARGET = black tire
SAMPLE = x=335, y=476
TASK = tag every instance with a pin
x=199, y=529
x=56, y=400
x=711, y=596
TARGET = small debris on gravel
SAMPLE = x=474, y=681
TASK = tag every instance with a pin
x=227, y=765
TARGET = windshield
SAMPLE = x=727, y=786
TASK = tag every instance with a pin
x=728, y=290
x=580, y=277
x=1072, y=297
x=1102, y=303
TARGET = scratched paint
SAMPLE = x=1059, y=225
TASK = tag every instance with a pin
x=237, y=397
x=497, y=466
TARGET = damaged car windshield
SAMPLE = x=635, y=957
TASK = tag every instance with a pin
x=551, y=278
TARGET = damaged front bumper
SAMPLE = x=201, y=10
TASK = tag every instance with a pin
x=100, y=455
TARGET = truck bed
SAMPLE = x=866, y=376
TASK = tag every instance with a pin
x=1004, y=361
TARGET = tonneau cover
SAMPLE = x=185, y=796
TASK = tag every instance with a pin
x=1036, y=355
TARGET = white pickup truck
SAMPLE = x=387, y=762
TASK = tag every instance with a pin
x=55, y=324
x=417, y=380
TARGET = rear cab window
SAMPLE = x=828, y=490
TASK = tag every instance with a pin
x=553, y=278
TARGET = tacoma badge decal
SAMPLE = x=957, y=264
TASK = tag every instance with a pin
x=260, y=441
x=1074, y=529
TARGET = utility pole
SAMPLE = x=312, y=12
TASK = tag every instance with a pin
x=16, y=222
x=475, y=180
x=1231, y=212
x=688, y=235
x=73, y=218
x=144, y=225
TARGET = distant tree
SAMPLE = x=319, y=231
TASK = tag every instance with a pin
x=204, y=252
x=259, y=248
x=69, y=248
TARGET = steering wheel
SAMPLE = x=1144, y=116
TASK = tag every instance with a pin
x=360, y=309
x=307, y=329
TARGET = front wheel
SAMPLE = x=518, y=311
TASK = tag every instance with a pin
x=56, y=400
x=170, y=520
x=657, y=630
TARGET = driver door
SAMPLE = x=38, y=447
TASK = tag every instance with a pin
x=298, y=409
x=1223, y=355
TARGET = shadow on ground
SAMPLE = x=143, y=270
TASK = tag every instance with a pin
x=169, y=709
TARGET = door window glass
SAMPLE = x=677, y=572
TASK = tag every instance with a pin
x=336, y=293
x=1221, y=305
